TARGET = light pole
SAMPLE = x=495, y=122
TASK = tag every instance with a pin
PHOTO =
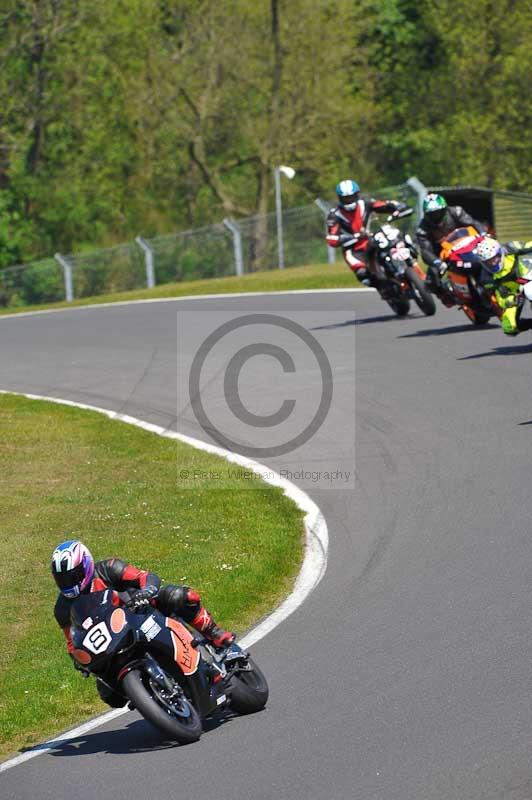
x=289, y=172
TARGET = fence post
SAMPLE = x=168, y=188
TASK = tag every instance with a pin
x=279, y=217
x=324, y=208
x=237, y=244
x=67, y=276
x=420, y=191
x=148, y=261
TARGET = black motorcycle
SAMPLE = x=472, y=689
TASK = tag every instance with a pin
x=172, y=677
x=397, y=275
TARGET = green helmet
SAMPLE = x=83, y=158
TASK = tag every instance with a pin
x=434, y=206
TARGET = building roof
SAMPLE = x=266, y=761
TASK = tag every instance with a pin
x=478, y=191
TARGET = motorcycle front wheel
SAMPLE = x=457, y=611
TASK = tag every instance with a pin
x=249, y=689
x=401, y=306
x=477, y=317
x=173, y=716
x=422, y=297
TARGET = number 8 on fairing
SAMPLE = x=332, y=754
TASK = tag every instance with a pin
x=98, y=639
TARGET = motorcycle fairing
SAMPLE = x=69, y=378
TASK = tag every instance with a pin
x=118, y=620
x=185, y=655
x=459, y=245
x=81, y=656
x=460, y=286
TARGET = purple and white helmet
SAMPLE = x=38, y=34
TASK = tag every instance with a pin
x=72, y=567
x=490, y=252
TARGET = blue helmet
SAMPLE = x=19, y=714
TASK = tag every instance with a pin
x=348, y=193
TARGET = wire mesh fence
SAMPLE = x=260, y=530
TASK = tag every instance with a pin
x=207, y=252
x=192, y=255
x=33, y=283
x=303, y=239
x=243, y=246
x=113, y=269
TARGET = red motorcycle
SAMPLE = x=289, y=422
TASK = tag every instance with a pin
x=462, y=286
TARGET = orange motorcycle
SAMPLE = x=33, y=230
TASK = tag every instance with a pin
x=462, y=285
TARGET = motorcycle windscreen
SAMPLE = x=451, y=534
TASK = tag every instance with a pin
x=186, y=656
x=95, y=606
x=460, y=240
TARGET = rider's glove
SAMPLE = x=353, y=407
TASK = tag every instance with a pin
x=349, y=239
x=142, y=598
x=440, y=265
x=84, y=672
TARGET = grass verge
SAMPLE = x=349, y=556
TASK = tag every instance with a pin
x=318, y=276
x=67, y=473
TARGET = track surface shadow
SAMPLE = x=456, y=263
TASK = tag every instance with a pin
x=365, y=321
x=514, y=350
x=136, y=737
x=444, y=331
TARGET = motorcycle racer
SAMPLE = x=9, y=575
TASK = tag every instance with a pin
x=502, y=266
x=438, y=221
x=75, y=572
x=348, y=227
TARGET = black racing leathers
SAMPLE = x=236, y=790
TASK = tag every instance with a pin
x=429, y=235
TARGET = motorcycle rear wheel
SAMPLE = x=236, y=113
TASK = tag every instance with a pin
x=178, y=720
x=249, y=689
x=422, y=297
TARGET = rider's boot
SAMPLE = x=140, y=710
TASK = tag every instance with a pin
x=205, y=624
x=524, y=325
x=444, y=291
x=366, y=277
x=362, y=274
x=109, y=696
x=445, y=297
x=433, y=280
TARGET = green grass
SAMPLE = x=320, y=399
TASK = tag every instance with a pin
x=68, y=473
x=318, y=276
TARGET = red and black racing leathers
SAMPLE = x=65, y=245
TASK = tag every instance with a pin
x=170, y=600
x=350, y=231
x=181, y=601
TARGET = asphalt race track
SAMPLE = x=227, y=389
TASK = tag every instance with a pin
x=407, y=674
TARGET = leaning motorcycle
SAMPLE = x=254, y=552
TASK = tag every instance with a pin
x=399, y=278
x=462, y=285
x=174, y=679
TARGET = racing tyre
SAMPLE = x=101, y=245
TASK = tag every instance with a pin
x=477, y=317
x=481, y=319
x=422, y=296
x=249, y=689
x=174, y=716
x=399, y=307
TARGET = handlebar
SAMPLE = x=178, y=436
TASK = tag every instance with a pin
x=406, y=212
x=126, y=595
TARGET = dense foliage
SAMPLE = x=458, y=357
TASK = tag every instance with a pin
x=126, y=116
